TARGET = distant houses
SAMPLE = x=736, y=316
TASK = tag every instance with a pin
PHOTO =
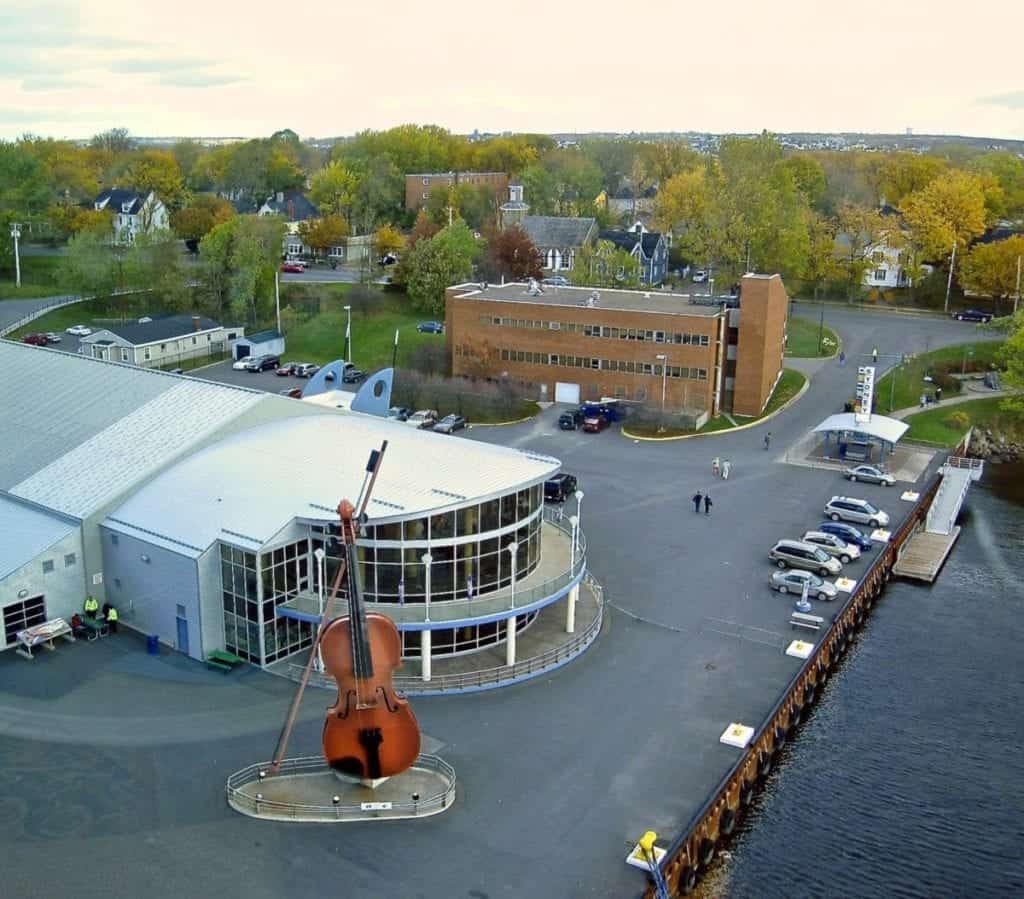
x=649, y=248
x=162, y=340
x=132, y=213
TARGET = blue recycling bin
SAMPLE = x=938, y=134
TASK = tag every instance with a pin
x=153, y=645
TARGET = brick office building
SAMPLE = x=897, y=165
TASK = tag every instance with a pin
x=418, y=188
x=578, y=344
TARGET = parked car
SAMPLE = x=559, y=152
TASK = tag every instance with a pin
x=972, y=315
x=288, y=368
x=570, y=421
x=294, y=393
x=353, y=376
x=797, y=554
x=559, y=488
x=52, y=337
x=833, y=545
x=306, y=369
x=399, y=413
x=35, y=339
x=611, y=411
x=847, y=533
x=793, y=582
x=699, y=276
x=594, y=424
x=430, y=327
x=293, y=267
x=847, y=508
x=870, y=474
x=242, y=363
x=450, y=424
x=424, y=420
x=556, y=281
x=78, y=330
x=263, y=363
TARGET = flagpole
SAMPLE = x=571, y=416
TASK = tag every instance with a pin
x=394, y=352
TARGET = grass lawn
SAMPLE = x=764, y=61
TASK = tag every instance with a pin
x=802, y=339
x=38, y=279
x=86, y=313
x=902, y=387
x=321, y=338
x=945, y=426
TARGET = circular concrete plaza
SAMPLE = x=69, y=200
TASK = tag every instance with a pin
x=113, y=762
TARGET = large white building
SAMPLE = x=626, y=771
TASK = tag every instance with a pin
x=196, y=509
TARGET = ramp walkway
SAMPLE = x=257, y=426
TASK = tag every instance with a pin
x=924, y=554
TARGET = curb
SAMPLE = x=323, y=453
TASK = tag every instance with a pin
x=501, y=424
x=743, y=427
x=861, y=307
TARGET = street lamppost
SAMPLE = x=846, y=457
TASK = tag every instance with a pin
x=579, y=507
x=320, y=556
x=570, y=610
x=15, y=235
x=663, y=359
x=510, y=622
x=426, y=635
x=348, y=335
x=513, y=548
x=949, y=280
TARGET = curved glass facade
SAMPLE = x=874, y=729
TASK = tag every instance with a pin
x=468, y=548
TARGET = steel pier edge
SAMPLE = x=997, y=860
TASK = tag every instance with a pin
x=693, y=851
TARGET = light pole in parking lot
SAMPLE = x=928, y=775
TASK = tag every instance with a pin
x=579, y=509
x=348, y=335
x=15, y=235
x=320, y=556
x=663, y=359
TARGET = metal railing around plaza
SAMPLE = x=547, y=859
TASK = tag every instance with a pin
x=254, y=804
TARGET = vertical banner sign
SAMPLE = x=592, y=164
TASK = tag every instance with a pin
x=865, y=392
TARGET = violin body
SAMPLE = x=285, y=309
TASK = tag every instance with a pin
x=370, y=731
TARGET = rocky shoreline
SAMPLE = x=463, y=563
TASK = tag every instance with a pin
x=994, y=447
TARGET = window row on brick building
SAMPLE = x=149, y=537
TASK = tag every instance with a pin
x=588, y=330
x=630, y=366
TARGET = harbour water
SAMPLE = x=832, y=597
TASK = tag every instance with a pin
x=908, y=778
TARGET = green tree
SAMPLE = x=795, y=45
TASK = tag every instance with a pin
x=333, y=190
x=821, y=265
x=23, y=187
x=154, y=262
x=157, y=171
x=602, y=264
x=1012, y=356
x=379, y=196
x=239, y=260
x=201, y=216
x=900, y=175
x=434, y=264
x=114, y=140
x=387, y=240
x=1008, y=171
x=858, y=229
x=950, y=209
x=89, y=266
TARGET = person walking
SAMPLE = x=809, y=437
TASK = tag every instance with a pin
x=696, y=502
x=767, y=440
x=842, y=357
x=715, y=466
x=938, y=394
x=726, y=465
x=112, y=619
x=707, y=504
x=924, y=399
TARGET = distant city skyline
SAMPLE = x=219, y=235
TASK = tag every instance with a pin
x=198, y=69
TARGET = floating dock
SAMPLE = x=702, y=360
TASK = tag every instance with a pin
x=924, y=554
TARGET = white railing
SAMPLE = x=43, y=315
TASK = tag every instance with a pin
x=975, y=466
x=57, y=303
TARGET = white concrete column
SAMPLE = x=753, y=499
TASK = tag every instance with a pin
x=570, y=609
x=510, y=641
x=425, y=654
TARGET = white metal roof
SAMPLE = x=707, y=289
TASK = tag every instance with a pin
x=245, y=488
x=26, y=533
x=879, y=426
x=111, y=461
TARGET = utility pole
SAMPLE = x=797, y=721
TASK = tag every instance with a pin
x=394, y=352
x=277, y=300
x=821, y=327
x=16, y=233
x=1016, y=300
x=949, y=280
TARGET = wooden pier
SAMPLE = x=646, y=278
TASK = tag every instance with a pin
x=924, y=555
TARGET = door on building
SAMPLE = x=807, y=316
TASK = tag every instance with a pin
x=567, y=393
x=182, y=635
x=242, y=351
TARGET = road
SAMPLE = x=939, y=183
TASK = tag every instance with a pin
x=107, y=753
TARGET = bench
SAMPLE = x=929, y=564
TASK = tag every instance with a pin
x=801, y=619
x=214, y=665
x=225, y=658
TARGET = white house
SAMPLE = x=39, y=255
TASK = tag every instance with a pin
x=133, y=212
x=166, y=340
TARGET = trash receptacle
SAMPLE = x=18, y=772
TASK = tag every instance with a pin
x=153, y=645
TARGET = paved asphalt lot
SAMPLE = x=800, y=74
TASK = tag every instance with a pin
x=112, y=763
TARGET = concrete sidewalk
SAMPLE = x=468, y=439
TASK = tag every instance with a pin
x=966, y=397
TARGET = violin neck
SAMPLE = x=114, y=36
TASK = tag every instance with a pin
x=362, y=660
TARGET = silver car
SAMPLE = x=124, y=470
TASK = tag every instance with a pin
x=793, y=582
x=833, y=545
x=797, y=554
x=869, y=474
x=860, y=511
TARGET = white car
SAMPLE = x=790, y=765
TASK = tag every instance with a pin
x=699, y=276
x=859, y=511
x=424, y=420
x=833, y=545
x=240, y=364
x=79, y=331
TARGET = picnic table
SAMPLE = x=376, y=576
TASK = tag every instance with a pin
x=43, y=635
x=219, y=660
x=96, y=627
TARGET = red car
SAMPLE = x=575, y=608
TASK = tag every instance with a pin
x=296, y=268
x=594, y=424
x=36, y=339
x=287, y=369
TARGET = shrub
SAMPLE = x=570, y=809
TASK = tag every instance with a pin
x=960, y=421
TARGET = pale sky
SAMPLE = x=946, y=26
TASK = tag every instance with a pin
x=330, y=67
